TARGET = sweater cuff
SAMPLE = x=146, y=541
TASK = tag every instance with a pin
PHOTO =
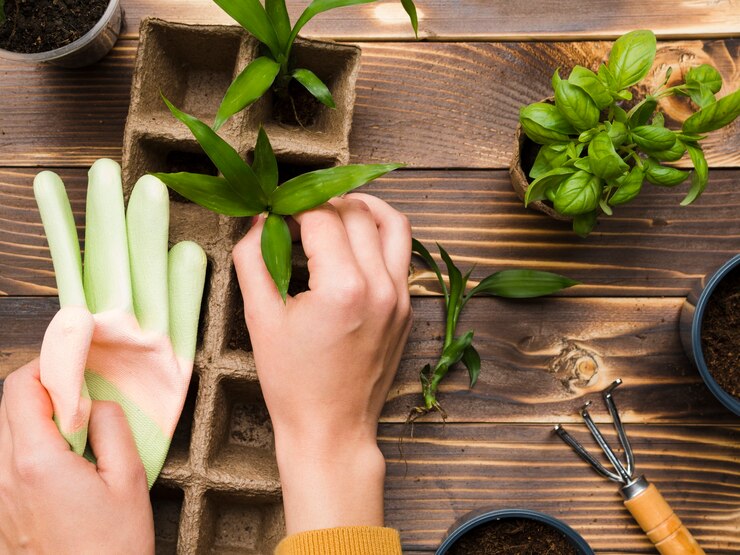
x=349, y=540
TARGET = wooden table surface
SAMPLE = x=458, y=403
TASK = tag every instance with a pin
x=448, y=106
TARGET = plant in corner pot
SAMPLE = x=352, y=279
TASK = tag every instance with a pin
x=595, y=152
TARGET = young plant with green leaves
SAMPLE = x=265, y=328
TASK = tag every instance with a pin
x=511, y=284
x=244, y=190
x=596, y=151
x=270, y=24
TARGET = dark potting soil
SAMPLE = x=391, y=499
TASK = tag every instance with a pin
x=720, y=333
x=41, y=25
x=298, y=107
x=513, y=536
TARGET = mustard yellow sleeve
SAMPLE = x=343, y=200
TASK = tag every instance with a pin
x=350, y=540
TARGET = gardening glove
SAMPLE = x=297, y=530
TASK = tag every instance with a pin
x=127, y=328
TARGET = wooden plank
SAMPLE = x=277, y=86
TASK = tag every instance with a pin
x=541, y=359
x=430, y=105
x=483, y=19
x=447, y=471
x=650, y=247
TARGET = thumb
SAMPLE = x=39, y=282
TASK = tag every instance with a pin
x=113, y=443
x=62, y=372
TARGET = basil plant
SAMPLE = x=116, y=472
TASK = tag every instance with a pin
x=596, y=151
x=244, y=190
x=271, y=26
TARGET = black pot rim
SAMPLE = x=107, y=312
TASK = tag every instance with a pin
x=729, y=401
x=475, y=518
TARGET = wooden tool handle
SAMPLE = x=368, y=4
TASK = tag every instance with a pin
x=661, y=524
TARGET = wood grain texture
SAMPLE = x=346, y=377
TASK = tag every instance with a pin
x=430, y=105
x=442, y=473
x=483, y=19
x=650, y=247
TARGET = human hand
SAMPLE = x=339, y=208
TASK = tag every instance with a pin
x=127, y=328
x=326, y=358
x=54, y=501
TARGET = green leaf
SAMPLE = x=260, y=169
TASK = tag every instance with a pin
x=630, y=186
x=278, y=14
x=605, y=162
x=277, y=250
x=213, y=193
x=545, y=124
x=716, y=115
x=658, y=120
x=664, y=176
x=265, y=164
x=619, y=114
x=674, y=153
x=589, y=82
x=537, y=190
x=576, y=106
x=704, y=75
x=617, y=132
x=453, y=353
x=252, y=16
x=311, y=189
x=315, y=86
x=248, y=87
x=583, y=224
x=700, y=176
x=606, y=77
x=631, y=57
x=238, y=174
x=643, y=112
x=410, y=8
x=316, y=7
x=522, y=284
x=548, y=157
x=418, y=248
x=555, y=79
x=653, y=138
x=471, y=360
x=457, y=287
x=578, y=194
x=583, y=164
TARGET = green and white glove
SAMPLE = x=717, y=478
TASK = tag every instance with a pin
x=127, y=328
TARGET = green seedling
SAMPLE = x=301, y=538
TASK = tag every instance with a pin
x=597, y=151
x=511, y=284
x=244, y=190
x=271, y=26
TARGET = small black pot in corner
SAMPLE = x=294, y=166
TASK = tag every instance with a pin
x=480, y=532
x=710, y=332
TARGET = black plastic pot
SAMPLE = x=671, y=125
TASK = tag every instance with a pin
x=482, y=516
x=692, y=316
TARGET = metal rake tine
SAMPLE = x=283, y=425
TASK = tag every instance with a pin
x=585, y=455
x=625, y=478
x=611, y=405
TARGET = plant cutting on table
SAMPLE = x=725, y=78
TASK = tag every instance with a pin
x=596, y=152
x=512, y=284
x=246, y=190
x=271, y=26
x=127, y=328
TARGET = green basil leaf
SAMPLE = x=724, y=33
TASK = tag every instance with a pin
x=583, y=224
x=453, y=353
x=586, y=136
x=605, y=162
x=316, y=7
x=315, y=86
x=704, y=75
x=664, y=176
x=630, y=186
x=537, y=190
x=410, y=8
x=265, y=164
x=714, y=116
x=238, y=174
x=471, y=360
x=617, y=132
x=674, y=153
x=418, y=248
x=642, y=115
x=578, y=194
x=583, y=164
x=277, y=251
x=548, y=158
x=249, y=86
x=606, y=77
x=544, y=124
x=619, y=114
x=555, y=79
x=605, y=207
x=252, y=16
x=689, y=137
x=658, y=120
x=576, y=106
x=522, y=284
x=311, y=189
x=631, y=57
x=589, y=82
x=278, y=14
x=700, y=176
x=653, y=138
x=213, y=193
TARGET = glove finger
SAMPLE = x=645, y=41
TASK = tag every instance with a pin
x=186, y=276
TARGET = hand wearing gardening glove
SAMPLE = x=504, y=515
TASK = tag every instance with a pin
x=126, y=331
x=53, y=501
x=327, y=357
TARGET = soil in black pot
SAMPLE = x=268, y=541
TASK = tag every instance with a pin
x=41, y=25
x=720, y=334
x=298, y=107
x=513, y=536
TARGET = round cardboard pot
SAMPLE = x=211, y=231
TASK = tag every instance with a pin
x=86, y=50
x=482, y=516
x=692, y=317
